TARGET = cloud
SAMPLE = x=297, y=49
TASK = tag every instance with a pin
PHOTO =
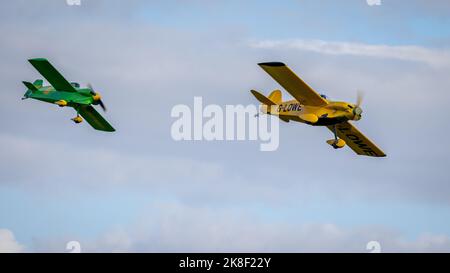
x=111, y=167
x=433, y=57
x=173, y=226
x=8, y=243
x=177, y=227
x=152, y=68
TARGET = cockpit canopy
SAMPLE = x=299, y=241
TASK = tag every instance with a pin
x=324, y=96
x=75, y=84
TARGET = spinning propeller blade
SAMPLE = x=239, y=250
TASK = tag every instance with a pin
x=99, y=99
x=359, y=98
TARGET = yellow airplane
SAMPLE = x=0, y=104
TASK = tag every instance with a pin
x=312, y=108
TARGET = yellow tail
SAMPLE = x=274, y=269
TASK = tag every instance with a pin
x=273, y=99
x=275, y=96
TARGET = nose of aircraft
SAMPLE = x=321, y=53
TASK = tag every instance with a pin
x=97, y=97
x=357, y=112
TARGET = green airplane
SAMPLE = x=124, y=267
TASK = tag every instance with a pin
x=63, y=93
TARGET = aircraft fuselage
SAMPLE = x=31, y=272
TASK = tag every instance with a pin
x=333, y=113
x=50, y=95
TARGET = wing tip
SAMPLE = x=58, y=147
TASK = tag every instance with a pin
x=272, y=64
x=109, y=130
x=254, y=92
x=376, y=155
x=37, y=60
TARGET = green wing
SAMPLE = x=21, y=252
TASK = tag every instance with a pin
x=52, y=75
x=94, y=118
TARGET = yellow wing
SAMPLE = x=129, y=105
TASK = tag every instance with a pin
x=356, y=140
x=293, y=84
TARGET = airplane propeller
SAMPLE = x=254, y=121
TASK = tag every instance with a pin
x=97, y=97
x=358, y=111
x=359, y=98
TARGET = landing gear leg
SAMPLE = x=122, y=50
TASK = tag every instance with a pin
x=336, y=142
x=334, y=132
x=335, y=138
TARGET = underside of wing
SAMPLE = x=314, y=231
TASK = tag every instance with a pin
x=52, y=75
x=301, y=91
x=94, y=118
x=356, y=140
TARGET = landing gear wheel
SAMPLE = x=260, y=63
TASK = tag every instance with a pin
x=77, y=119
x=336, y=143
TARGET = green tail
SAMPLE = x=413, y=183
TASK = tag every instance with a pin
x=38, y=83
x=32, y=87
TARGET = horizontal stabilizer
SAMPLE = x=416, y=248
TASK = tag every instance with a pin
x=261, y=98
x=30, y=86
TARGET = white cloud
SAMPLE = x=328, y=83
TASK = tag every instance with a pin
x=170, y=67
x=176, y=227
x=8, y=243
x=433, y=57
x=116, y=168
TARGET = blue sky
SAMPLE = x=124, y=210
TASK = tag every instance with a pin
x=138, y=190
x=395, y=22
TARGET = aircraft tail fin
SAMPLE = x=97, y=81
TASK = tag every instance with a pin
x=38, y=83
x=275, y=96
x=31, y=88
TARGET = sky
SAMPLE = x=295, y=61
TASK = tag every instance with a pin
x=138, y=190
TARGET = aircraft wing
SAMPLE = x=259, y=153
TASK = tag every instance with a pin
x=52, y=75
x=301, y=91
x=94, y=118
x=356, y=140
